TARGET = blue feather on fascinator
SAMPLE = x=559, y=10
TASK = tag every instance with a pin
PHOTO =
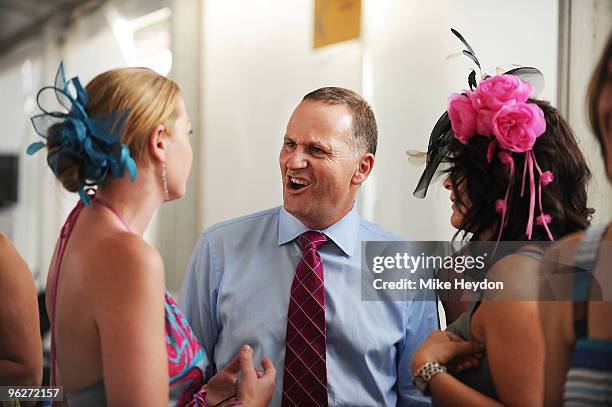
x=93, y=141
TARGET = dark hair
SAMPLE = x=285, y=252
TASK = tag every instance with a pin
x=598, y=81
x=365, y=132
x=565, y=199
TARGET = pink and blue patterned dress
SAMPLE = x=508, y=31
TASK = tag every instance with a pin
x=185, y=359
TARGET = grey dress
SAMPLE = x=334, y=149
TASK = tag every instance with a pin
x=93, y=396
x=479, y=378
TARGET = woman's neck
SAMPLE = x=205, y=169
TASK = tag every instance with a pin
x=135, y=201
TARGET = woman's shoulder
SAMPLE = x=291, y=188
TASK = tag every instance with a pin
x=124, y=261
x=130, y=246
x=11, y=262
x=519, y=262
x=6, y=247
x=517, y=276
x=15, y=276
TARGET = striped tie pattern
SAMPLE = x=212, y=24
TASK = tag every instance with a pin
x=305, y=378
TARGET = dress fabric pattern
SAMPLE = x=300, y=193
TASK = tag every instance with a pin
x=185, y=359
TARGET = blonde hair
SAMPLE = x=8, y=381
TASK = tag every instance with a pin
x=151, y=99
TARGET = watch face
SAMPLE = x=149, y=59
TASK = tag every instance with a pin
x=420, y=383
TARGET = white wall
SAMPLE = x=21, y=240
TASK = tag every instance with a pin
x=90, y=48
x=244, y=66
x=21, y=222
x=412, y=80
x=259, y=62
x=589, y=23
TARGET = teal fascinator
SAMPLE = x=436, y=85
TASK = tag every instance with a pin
x=94, y=142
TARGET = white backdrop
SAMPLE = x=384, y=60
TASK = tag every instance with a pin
x=245, y=64
x=259, y=62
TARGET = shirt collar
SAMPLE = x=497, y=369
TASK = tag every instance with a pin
x=343, y=233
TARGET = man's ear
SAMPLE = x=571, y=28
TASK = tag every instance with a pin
x=158, y=143
x=365, y=168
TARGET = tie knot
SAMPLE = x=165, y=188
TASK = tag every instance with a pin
x=312, y=240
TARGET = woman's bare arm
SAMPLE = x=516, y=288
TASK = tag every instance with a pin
x=128, y=309
x=20, y=344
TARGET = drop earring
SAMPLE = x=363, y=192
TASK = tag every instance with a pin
x=164, y=180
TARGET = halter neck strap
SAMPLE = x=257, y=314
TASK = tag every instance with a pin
x=116, y=212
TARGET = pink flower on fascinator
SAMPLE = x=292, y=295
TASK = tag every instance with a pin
x=517, y=126
x=500, y=206
x=483, y=122
x=543, y=219
x=495, y=91
x=492, y=94
x=462, y=116
x=546, y=178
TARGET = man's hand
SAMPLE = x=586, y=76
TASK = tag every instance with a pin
x=222, y=386
x=256, y=387
x=253, y=390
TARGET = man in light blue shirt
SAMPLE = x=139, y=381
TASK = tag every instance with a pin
x=237, y=288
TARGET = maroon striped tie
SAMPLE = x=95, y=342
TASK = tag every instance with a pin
x=305, y=378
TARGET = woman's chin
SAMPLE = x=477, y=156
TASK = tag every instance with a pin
x=174, y=195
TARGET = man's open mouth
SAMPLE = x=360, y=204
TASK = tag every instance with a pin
x=298, y=183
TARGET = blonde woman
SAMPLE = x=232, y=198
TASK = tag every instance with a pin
x=118, y=338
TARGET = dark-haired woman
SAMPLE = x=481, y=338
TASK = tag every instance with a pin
x=578, y=331
x=516, y=174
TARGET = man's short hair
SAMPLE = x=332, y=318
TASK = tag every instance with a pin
x=365, y=133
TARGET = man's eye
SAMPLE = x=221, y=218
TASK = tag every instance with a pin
x=316, y=150
x=289, y=144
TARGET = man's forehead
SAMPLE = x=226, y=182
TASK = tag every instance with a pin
x=316, y=136
x=318, y=108
x=317, y=120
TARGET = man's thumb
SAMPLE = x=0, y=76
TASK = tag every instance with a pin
x=246, y=362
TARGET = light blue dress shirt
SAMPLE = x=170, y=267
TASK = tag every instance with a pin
x=236, y=292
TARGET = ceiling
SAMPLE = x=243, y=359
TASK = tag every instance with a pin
x=23, y=19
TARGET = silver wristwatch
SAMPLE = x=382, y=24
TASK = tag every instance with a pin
x=424, y=374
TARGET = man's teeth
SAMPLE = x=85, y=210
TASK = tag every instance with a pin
x=299, y=181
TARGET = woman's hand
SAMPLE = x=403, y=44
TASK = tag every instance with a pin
x=464, y=362
x=446, y=348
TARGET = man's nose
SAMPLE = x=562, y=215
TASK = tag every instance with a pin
x=297, y=160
